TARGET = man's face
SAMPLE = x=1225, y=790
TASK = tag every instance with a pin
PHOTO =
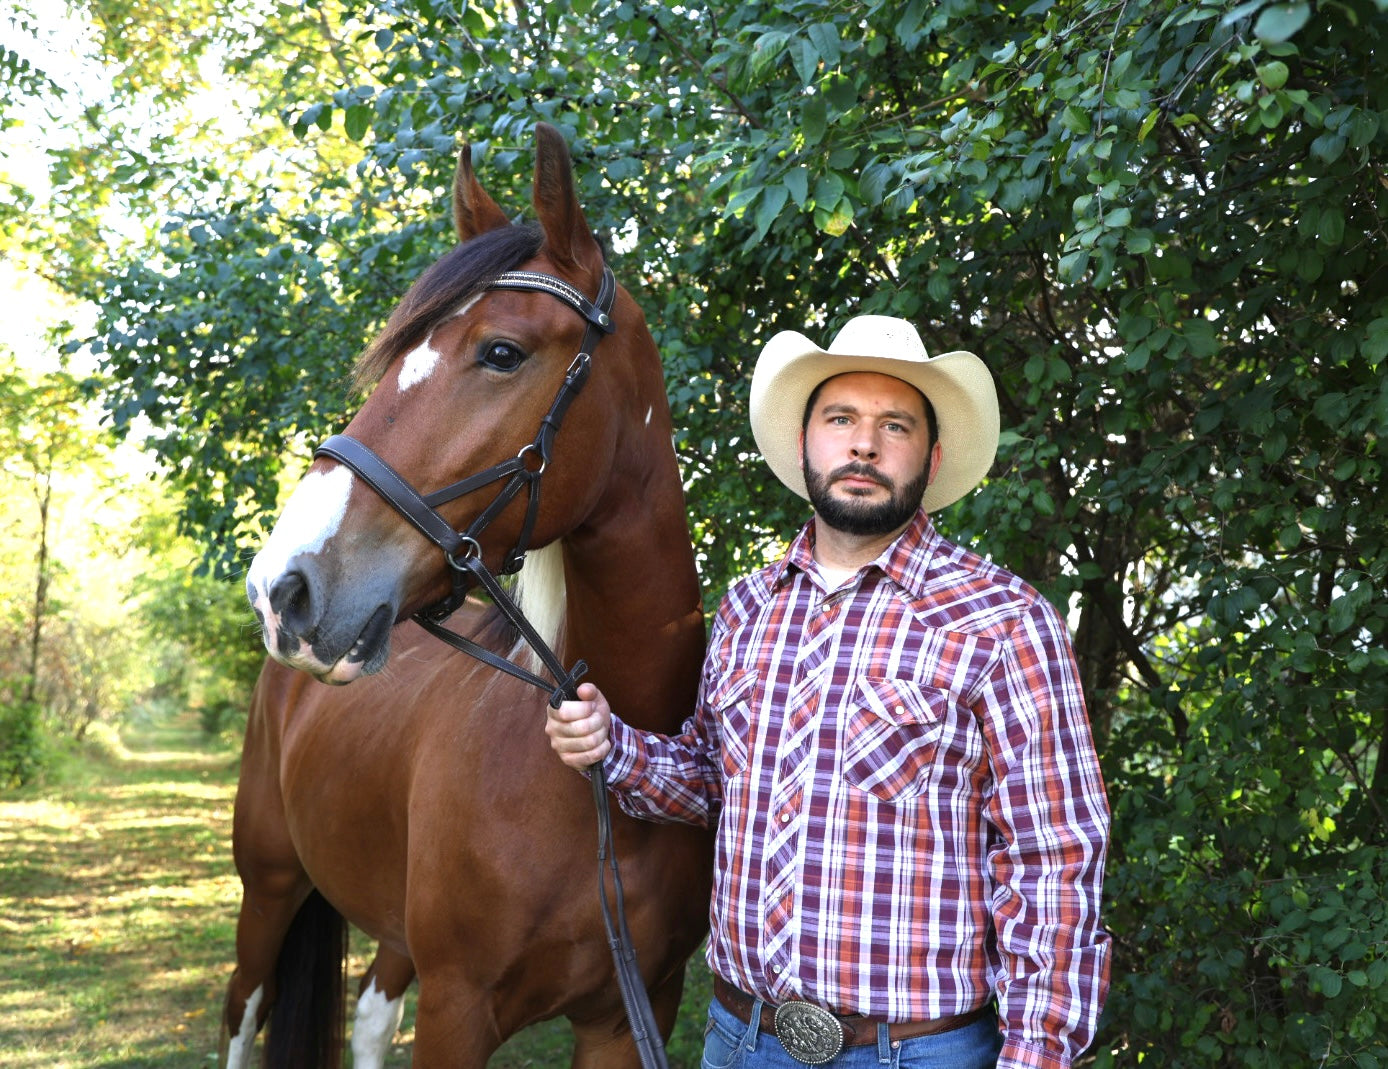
x=866, y=453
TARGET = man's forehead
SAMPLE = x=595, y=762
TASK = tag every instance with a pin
x=858, y=387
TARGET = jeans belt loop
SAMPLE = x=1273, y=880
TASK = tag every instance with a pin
x=749, y=1038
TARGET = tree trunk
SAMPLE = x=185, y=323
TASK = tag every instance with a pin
x=44, y=492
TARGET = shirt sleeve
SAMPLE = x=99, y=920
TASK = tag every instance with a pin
x=1051, y=817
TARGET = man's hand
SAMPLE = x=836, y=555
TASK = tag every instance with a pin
x=578, y=730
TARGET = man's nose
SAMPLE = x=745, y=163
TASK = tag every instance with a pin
x=864, y=446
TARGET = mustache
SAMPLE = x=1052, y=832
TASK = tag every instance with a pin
x=862, y=471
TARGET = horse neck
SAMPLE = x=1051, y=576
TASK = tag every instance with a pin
x=633, y=608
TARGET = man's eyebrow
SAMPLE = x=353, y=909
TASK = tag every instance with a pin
x=834, y=408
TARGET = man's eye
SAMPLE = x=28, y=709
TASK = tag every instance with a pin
x=502, y=356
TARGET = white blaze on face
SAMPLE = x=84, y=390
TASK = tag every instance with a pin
x=378, y=1018
x=312, y=516
x=419, y=362
x=239, y=1053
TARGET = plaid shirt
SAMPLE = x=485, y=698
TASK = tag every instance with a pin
x=910, y=811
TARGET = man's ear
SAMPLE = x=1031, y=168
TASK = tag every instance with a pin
x=800, y=448
x=936, y=455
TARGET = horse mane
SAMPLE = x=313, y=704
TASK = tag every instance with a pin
x=463, y=272
x=541, y=595
x=538, y=591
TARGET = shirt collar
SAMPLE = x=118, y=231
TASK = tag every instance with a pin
x=905, y=561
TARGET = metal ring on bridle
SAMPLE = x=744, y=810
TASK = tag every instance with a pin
x=471, y=551
x=532, y=448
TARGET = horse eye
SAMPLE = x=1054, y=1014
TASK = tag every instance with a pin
x=502, y=356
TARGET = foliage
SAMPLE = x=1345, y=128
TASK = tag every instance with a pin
x=43, y=440
x=210, y=648
x=1161, y=224
x=22, y=754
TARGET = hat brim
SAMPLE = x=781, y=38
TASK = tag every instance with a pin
x=958, y=384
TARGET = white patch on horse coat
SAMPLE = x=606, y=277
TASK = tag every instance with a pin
x=419, y=364
x=313, y=515
x=649, y=412
x=378, y=1018
x=239, y=1052
x=420, y=361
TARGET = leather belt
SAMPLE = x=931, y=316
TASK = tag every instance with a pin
x=804, y=1028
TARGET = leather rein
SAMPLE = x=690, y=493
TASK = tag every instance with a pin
x=463, y=552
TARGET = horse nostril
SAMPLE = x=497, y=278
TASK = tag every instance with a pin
x=292, y=602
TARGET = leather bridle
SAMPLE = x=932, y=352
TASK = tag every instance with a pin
x=522, y=472
x=463, y=552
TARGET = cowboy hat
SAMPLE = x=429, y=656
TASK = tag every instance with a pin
x=958, y=385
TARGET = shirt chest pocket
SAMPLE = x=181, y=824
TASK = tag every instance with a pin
x=731, y=704
x=893, y=735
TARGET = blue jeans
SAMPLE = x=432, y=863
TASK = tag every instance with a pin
x=731, y=1044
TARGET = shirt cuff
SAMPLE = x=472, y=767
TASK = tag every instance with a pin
x=624, y=762
x=1017, y=1054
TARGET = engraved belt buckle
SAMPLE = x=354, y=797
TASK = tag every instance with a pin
x=810, y=1033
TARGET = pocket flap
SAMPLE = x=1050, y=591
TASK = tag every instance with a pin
x=732, y=689
x=899, y=701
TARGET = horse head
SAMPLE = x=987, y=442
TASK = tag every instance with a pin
x=465, y=380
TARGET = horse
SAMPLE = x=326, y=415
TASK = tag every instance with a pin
x=390, y=782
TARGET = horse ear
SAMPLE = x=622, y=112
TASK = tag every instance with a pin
x=568, y=239
x=474, y=211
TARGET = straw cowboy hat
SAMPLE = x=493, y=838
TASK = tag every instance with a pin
x=958, y=385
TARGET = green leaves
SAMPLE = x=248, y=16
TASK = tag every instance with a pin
x=1281, y=22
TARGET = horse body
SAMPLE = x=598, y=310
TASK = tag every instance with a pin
x=422, y=802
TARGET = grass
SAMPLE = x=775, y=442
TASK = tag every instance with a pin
x=118, y=912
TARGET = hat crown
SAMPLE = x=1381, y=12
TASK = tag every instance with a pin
x=877, y=335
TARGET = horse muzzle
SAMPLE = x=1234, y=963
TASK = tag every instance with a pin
x=335, y=633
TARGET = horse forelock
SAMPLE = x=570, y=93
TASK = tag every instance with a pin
x=441, y=290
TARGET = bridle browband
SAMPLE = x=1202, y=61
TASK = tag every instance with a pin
x=463, y=551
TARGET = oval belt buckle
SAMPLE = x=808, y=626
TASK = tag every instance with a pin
x=810, y=1033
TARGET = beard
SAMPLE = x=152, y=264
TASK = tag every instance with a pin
x=857, y=517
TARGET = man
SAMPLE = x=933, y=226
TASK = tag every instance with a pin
x=891, y=740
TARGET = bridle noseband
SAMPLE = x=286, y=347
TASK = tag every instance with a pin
x=463, y=551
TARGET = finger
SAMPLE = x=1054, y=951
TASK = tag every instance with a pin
x=587, y=692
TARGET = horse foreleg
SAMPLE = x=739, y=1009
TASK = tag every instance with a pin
x=607, y=1043
x=380, y=1006
x=454, y=1024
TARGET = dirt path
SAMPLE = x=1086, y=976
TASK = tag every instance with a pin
x=117, y=907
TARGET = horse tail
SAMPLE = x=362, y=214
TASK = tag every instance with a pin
x=308, y=1022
